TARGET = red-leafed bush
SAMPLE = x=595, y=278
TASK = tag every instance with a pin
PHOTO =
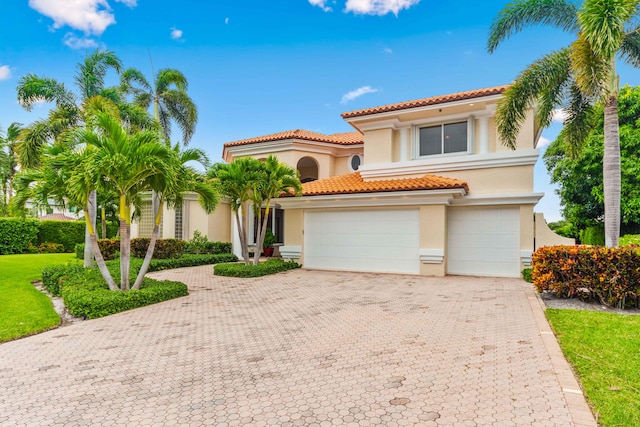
x=608, y=275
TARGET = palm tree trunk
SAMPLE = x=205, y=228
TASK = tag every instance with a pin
x=90, y=213
x=102, y=266
x=243, y=239
x=157, y=215
x=104, y=223
x=125, y=254
x=611, y=172
x=258, y=250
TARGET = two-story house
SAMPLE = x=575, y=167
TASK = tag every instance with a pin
x=420, y=187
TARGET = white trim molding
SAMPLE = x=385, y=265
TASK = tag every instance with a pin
x=450, y=163
x=291, y=252
x=379, y=199
x=525, y=258
x=431, y=256
x=499, y=199
x=285, y=145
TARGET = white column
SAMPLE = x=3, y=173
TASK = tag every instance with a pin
x=404, y=144
x=483, y=135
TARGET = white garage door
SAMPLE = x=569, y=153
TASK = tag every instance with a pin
x=484, y=241
x=363, y=240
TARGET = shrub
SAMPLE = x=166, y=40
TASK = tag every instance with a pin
x=630, y=239
x=608, y=275
x=55, y=277
x=593, y=235
x=80, y=251
x=526, y=275
x=109, y=248
x=165, y=248
x=271, y=266
x=17, y=234
x=66, y=233
x=94, y=303
x=51, y=248
x=198, y=244
x=190, y=260
x=218, y=248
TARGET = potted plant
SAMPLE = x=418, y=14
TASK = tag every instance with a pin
x=269, y=239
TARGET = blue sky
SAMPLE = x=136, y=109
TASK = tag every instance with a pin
x=258, y=67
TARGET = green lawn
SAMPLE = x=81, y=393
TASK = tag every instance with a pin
x=24, y=309
x=604, y=349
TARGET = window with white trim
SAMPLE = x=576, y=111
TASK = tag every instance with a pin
x=443, y=138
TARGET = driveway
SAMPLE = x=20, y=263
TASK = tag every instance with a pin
x=302, y=348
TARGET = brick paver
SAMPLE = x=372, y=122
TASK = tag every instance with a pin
x=303, y=348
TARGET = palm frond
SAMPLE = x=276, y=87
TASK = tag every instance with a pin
x=592, y=71
x=92, y=71
x=169, y=78
x=578, y=122
x=181, y=108
x=602, y=24
x=32, y=89
x=541, y=81
x=630, y=47
x=522, y=13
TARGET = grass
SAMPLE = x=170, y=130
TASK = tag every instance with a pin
x=25, y=310
x=604, y=349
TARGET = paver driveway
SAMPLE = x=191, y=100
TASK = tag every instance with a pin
x=299, y=348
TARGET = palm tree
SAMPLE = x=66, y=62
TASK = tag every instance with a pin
x=9, y=164
x=274, y=179
x=71, y=111
x=129, y=164
x=169, y=98
x=236, y=181
x=186, y=179
x=573, y=78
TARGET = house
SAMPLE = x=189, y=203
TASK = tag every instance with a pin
x=420, y=187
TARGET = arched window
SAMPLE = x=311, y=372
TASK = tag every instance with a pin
x=308, y=168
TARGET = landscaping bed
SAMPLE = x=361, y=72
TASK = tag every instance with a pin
x=271, y=266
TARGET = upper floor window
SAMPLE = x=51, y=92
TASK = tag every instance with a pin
x=443, y=139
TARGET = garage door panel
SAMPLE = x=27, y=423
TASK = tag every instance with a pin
x=484, y=241
x=367, y=240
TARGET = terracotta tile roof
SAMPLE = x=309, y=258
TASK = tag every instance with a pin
x=347, y=138
x=56, y=217
x=353, y=183
x=460, y=96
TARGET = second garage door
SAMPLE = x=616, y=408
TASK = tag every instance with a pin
x=484, y=241
x=363, y=240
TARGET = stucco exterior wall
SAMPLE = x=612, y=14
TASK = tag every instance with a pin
x=433, y=237
x=499, y=180
x=546, y=237
x=219, y=224
x=197, y=219
x=378, y=146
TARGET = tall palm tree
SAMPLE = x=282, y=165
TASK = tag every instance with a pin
x=573, y=78
x=71, y=111
x=274, y=178
x=236, y=181
x=127, y=163
x=168, y=96
x=9, y=164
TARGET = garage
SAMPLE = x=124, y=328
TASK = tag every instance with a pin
x=363, y=240
x=484, y=241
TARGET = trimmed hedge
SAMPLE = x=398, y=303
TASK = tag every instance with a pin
x=164, y=248
x=526, y=275
x=18, y=234
x=190, y=260
x=66, y=233
x=271, y=266
x=610, y=276
x=593, y=235
x=630, y=239
x=94, y=303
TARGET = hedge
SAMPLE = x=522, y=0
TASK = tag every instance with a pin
x=593, y=235
x=66, y=233
x=190, y=260
x=164, y=248
x=610, y=276
x=271, y=266
x=18, y=234
x=630, y=239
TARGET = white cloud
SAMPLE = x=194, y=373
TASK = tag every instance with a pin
x=543, y=142
x=357, y=93
x=75, y=42
x=226, y=20
x=322, y=4
x=559, y=115
x=5, y=72
x=388, y=50
x=176, y=34
x=378, y=7
x=90, y=16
